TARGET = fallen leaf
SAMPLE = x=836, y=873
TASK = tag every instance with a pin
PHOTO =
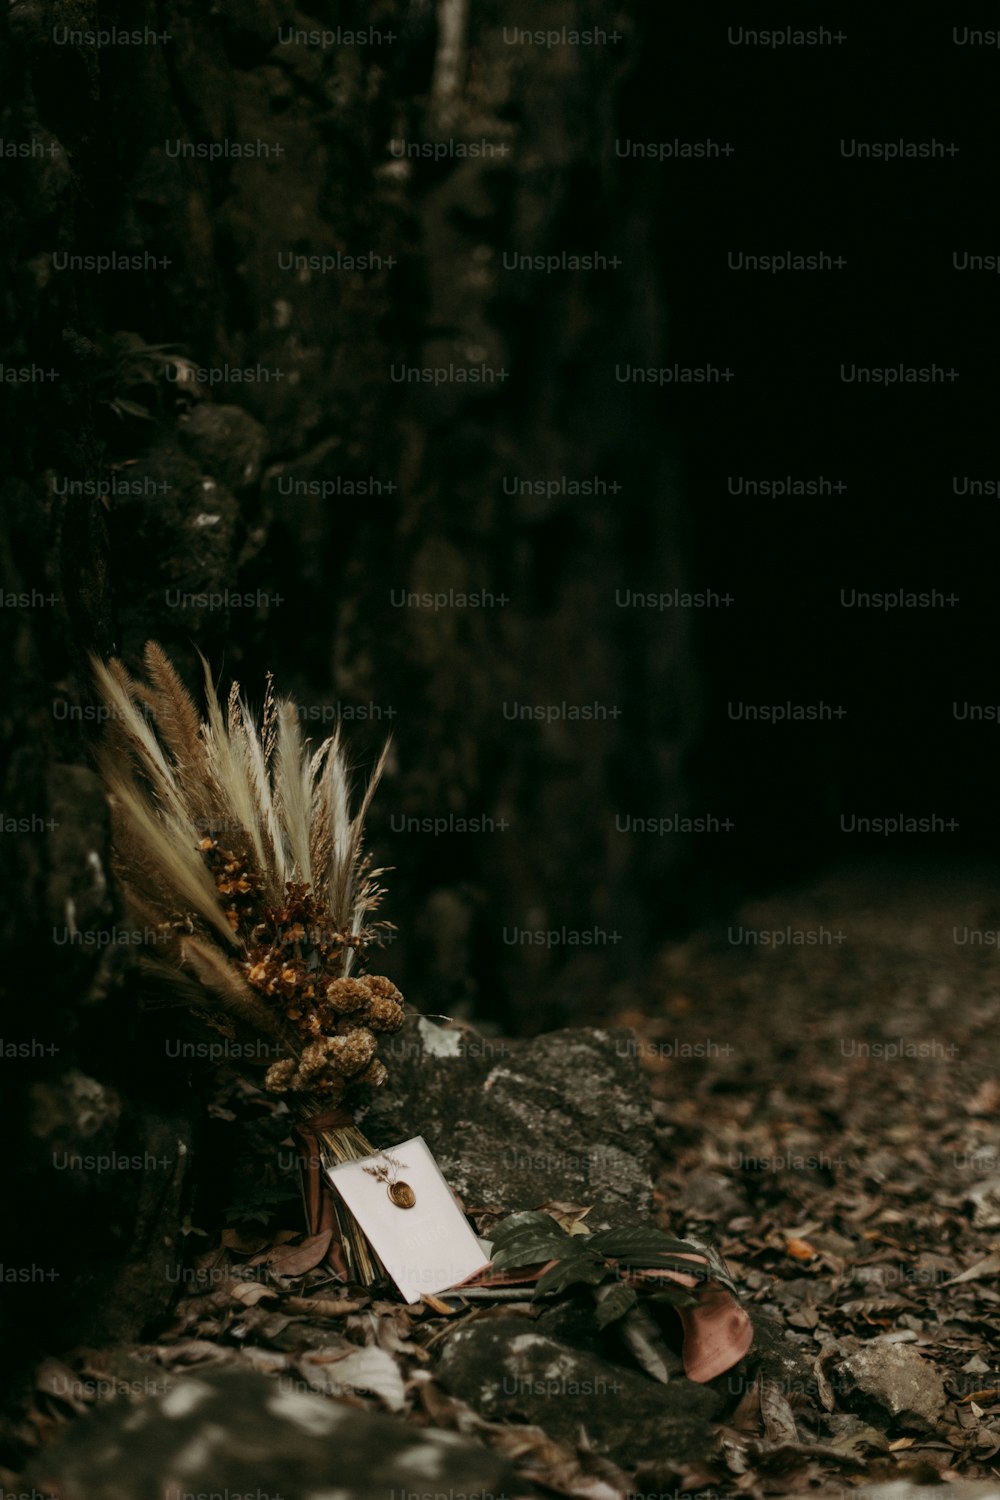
x=776, y=1414
x=779, y=1455
x=244, y=1244
x=364, y=1372
x=268, y=1361
x=280, y=1237
x=53, y=1378
x=747, y=1417
x=319, y=1307
x=296, y=1260
x=188, y=1352
x=568, y=1216
x=986, y=1099
x=250, y=1292
x=988, y=1267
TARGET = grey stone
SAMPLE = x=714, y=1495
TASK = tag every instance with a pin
x=891, y=1380
x=237, y=1432
x=571, y=1322
x=508, y=1371
x=514, y=1124
x=776, y=1358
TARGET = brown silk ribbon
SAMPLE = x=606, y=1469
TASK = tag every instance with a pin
x=320, y=1210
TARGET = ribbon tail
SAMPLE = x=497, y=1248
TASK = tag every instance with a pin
x=321, y=1210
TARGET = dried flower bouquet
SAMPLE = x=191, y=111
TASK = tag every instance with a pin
x=238, y=845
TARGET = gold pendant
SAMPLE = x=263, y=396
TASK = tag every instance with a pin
x=402, y=1194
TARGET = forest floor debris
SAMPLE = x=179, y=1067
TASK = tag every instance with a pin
x=827, y=1112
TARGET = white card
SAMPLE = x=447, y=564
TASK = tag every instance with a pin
x=426, y=1248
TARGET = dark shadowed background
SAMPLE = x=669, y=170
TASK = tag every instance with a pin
x=329, y=490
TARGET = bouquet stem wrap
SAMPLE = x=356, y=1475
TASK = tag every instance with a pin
x=328, y=1137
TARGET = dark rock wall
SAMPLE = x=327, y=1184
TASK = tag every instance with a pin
x=322, y=492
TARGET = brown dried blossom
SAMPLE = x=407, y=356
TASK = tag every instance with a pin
x=375, y=1074
x=345, y=996
x=278, y=1077
x=384, y=1014
x=241, y=846
x=326, y=1066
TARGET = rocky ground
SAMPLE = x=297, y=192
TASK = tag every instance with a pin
x=824, y=1102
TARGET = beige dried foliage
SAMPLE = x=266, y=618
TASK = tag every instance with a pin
x=239, y=846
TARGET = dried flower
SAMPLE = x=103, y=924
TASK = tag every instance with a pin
x=351, y=1054
x=384, y=1014
x=240, y=847
x=384, y=988
x=375, y=1074
x=279, y=1075
x=347, y=995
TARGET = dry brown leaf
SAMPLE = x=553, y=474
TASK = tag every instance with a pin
x=569, y=1216
x=355, y=1372
x=551, y=1464
x=53, y=1378
x=280, y=1237
x=747, y=1416
x=555, y=1466
x=988, y=1267
x=296, y=1260
x=789, y=1456
x=188, y=1352
x=267, y=1361
x=986, y=1099
x=439, y=1406
x=250, y=1292
x=319, y=1307
x=823, y=1386
x=776, y=1414
x=244, y=1244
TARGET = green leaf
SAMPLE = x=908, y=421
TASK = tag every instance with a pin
x=644, y=1239
x=666, y=1263
x=575, y=1269
x=615, y=1304
x=520, y=1223
x=526, y=1240
x=524, y=1252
